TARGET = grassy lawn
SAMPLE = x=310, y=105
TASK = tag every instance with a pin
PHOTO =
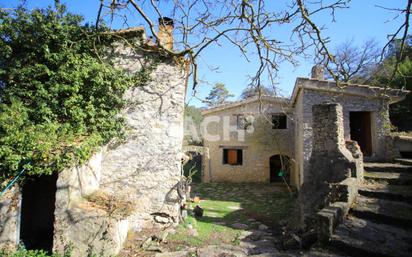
x=228, y=205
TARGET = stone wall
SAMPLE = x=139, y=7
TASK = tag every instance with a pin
x=260, y=142
x=10, y=218
x=138, y=173
x=333, y=175
x=379, y=119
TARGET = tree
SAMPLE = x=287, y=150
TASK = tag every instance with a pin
x=257, y=91
x=396, y=72
x=58, y=100
x=247, y=25
x=192, y=122
x=218, y=95
x=355, y=64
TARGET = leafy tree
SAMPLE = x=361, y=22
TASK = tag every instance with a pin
x=218, y=95
x=193, y=120
x=58, y=100
x=254, y=91
x=400, y=113
x=386, y=75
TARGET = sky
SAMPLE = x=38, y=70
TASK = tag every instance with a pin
x=362, y=21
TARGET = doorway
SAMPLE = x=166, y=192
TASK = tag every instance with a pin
x=361, y=131
x=37, y=212
x=279, y=168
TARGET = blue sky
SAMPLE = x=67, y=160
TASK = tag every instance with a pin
x=361, y=22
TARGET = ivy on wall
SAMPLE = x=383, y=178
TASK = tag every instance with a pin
x=58, y=100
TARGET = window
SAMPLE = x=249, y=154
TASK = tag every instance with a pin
x=233, y=156
x=279, y=121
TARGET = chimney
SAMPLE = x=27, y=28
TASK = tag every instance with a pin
x=165, y=33
x=318, y=72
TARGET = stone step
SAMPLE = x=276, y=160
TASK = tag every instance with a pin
x=383, y=190
x=403, y=161
x=361, y=238
x=393, y=178
x=389, y=212
x=387, y=167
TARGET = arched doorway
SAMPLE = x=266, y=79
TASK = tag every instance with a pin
x=279, y=168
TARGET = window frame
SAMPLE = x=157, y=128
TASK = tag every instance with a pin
x=239, y=156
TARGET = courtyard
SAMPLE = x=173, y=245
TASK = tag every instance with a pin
x=236, y=216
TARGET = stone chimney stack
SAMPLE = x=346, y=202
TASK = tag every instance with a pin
x=318, y=72
x=165, y=33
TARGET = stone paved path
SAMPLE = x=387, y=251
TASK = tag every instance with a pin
x=380, y=223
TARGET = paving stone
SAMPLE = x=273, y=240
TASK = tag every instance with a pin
x=220, y=250
x=258, y=247
x=263, y=227
x=240, y=226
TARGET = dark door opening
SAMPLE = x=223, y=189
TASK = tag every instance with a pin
x=37, y=213
x=279, y=167
x=194, y=166
x=360, y=130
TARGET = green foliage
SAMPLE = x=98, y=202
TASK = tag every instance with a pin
x=193, y=120
x=22, y=252
x=194, y=113
x=218, y=95
x=400, y=113
x=58, y=100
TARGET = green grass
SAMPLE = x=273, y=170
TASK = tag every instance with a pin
x=225, y=204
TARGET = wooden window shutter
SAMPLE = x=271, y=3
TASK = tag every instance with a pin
x=232, y=156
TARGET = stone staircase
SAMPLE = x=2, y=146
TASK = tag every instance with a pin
x=380, y=222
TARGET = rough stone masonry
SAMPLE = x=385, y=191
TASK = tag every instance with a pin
x=332, y=165
x=128, y=185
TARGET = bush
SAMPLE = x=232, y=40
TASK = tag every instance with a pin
x=58, y=100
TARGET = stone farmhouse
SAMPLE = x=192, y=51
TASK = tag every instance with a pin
x=269, y=139
x=127, y=185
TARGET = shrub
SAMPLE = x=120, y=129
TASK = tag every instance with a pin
x=59, y=100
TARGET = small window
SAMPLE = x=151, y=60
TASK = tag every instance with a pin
x=233, y=156
x=279, y=121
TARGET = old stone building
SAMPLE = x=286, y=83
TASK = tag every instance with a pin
x=127, y=186
x=278, y=132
